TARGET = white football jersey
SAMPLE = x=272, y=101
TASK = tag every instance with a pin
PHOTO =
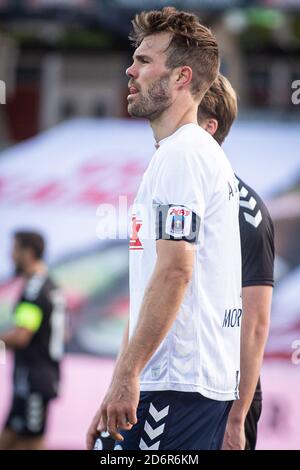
x=190, y=174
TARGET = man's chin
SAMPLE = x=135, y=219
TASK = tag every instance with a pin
x=134, y=113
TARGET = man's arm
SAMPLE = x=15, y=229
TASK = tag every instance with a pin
x=254, y=333
x=163, y=297
x=125, y=340
x=16, y=338
x=27, y=318
x=162, y=300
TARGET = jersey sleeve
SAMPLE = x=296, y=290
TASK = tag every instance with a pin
x=257, y=245
x=179, y=197
x=180, y=180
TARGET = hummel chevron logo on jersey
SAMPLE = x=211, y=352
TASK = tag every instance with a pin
x=184, y=350
x=183, y=367
x=251, y=204
x=143, y=445
x=255, y=221
x=158, y=415
x=153, y=433
x=243, y=192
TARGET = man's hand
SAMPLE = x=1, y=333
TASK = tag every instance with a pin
x=118, y=410
x=234, y=438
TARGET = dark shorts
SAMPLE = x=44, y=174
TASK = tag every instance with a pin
x=171, y=420
x=28, y=416
x=251, y=424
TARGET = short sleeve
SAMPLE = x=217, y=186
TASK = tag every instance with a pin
x=257, y=245
x=180, y=180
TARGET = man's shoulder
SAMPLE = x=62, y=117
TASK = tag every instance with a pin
x=193, y=146
x=197, y=139
x=252, y=207
x=257, y=238
x=38, y=288
x=256, y=225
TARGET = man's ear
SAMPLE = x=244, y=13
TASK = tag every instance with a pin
x=210, y=125
x=184, y=76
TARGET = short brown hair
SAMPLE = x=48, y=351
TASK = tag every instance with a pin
x=32, y=240
x=192, y=43
x=219, y=102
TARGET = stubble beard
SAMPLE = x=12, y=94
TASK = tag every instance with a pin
x=157, y=101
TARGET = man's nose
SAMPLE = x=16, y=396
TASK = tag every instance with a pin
x=131, y=71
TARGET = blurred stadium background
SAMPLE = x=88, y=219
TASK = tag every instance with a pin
x=67, y=146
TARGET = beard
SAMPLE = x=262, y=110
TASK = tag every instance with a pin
x=18, y=270
x=157, y=100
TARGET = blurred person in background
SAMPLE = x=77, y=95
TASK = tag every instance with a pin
x=216, y=113
x=177, y=351
x=36, y=339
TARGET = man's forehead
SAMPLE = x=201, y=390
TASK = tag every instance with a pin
x=154, y=43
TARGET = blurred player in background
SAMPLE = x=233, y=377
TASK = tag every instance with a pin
x=181, y=352
x=37, y=341
x=216, y=113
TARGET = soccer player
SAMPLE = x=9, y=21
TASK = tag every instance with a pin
x=178, y=370
x=37, y=341
x=216, y=113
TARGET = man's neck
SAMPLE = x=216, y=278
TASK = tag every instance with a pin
x=172, y=119
x=37, y=268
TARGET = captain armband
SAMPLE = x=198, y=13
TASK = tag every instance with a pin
x=175, y=222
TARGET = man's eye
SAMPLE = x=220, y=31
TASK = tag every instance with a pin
x=145, y=61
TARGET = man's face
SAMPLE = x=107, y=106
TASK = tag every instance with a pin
x=21, y=257
x=149, y=84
